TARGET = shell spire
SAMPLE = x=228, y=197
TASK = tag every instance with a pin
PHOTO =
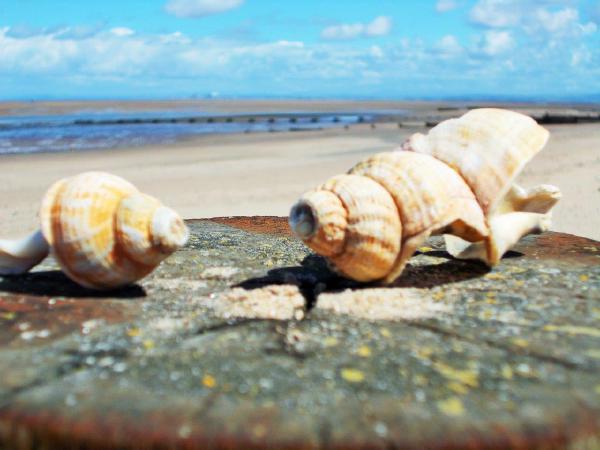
x=352, y=220
x=489, y=147
x=103, y=232
x=456, y=181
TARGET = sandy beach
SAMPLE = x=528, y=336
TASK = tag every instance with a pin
x=264, y=173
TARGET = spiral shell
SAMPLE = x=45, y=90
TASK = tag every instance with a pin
x=488, y=147
x=104, y=233
x=358, y=226
x=364, y=221
x=457, y=180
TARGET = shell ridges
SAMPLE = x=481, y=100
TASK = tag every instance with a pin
x=488, y=147
x=89, y=220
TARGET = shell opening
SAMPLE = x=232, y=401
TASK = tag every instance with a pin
x=319, y=219
x=303, y=220
x=353, y=221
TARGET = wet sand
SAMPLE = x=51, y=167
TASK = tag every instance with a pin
x=264, y=173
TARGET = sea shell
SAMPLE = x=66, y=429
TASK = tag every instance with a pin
x=488, y=147
x=369, y=223
x=103, y=232
x=358, y=226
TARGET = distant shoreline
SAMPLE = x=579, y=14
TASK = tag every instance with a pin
x=43, y=127
x=241, y=106
x=101, y=130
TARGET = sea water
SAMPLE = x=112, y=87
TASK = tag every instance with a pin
x=106, y=130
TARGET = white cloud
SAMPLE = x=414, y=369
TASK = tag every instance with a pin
x=72, y=32
x=122, y=55
x=176, y=37
x=588, y=28
x=344, y=31
x=449, y=46
x=497, y=13
x=200, y=8
x=556, y=21
x=380, y=26
x=122, y=31
x=376, y=52
x=496, y=42
x=78, y=32
x=443, y=6
x=179, y=64
x=24, y=31
x=562, y=22
x=581, y=56
x=532, y=16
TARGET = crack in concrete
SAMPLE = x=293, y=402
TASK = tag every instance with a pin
x=311, y=289
x=229, y=325
x=506, y=347
x=75, y=362
x=324, y=434
x=311, y=286
x=61, y=371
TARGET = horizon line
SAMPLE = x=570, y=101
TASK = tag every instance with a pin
x=579, y=98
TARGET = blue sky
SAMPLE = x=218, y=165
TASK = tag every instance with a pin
x=388, y=49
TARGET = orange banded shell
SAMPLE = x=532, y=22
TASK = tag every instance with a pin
x=104, y=233
x=364, y=221
x=360, y=226
x=430, y=197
